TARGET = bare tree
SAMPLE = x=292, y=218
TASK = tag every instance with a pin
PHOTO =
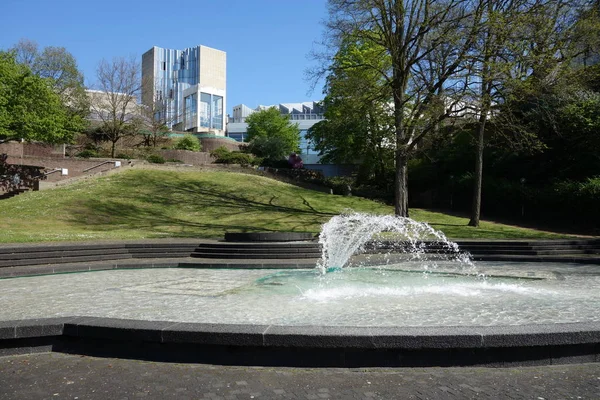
x=26, y=52
x=59, y=67
x=158, y=113
x=115, y=103
x=409, y=31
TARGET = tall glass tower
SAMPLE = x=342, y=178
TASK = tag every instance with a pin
x=186, y=89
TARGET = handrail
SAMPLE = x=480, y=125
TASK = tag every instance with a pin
x=102, y=163
x=53, y=171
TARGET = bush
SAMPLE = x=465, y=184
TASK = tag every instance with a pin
x=124, y=156
x=220, y=153
x=269, y=148
x=156, y=159
x=188, y=142
x=341, y=184
x=225, y=156
x=87, y=153
x=284, y=164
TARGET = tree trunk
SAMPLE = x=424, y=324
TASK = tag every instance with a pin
x=401, y=187
x=476, y=205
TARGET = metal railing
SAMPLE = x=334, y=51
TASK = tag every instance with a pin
x=116, y=165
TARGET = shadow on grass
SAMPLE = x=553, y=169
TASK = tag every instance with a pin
x=145, y=202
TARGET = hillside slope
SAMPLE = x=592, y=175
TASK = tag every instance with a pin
x=154, y=203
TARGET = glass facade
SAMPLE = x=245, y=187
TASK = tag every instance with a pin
x=193, y=70
x=191, y=111
x=217, y=112
x=305, y=144
x=205, y=114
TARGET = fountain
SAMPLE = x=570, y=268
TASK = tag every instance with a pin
x=376, y=297
x=346, y=235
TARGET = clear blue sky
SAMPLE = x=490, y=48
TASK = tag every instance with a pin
x=267, y=41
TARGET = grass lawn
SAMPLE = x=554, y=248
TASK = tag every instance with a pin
x=153, y=203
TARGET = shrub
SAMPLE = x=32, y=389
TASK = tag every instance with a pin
x=123, y=156
x=225, y=156
x=267, y=162
x=269, y=148
x=341, y=184
x=188, y=142
x=220, y=153
x=156, y=159
x=87, y=153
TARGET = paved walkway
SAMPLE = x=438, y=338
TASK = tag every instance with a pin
x=61, y=376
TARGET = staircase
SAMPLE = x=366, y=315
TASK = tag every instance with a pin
x=272, y=250
x=13, y=193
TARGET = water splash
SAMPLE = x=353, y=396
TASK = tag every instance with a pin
x=348, y=234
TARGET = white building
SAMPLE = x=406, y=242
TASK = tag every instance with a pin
x=305, y=115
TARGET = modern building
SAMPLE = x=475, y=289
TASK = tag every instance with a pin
x=304, y=114
x=186, y=88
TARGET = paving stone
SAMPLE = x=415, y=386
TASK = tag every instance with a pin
x=39, y=376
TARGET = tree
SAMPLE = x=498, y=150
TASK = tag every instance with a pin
x=357, y=128
x=269, y=124
x=408, y=32
x=59, y=67
x=521, y=42
x=29, y=107
x=115, y=105
x=158, y=113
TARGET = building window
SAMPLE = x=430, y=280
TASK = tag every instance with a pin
x=191, y=111
x=205, y=114
x=164, y=65
x=217, y=112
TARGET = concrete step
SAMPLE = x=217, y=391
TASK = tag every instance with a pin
x=62, y=260
x=244, y=255
x=61, y=254
x=259, y=245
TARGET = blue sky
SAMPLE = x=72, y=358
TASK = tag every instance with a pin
x=267, y=41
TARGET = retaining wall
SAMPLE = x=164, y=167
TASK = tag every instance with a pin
x=18, y=149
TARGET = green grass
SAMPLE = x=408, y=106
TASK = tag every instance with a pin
x=152, y=203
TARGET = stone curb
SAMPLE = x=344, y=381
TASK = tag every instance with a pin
x=306, y=345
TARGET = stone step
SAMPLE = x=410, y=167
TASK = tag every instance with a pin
x=259, y=245
x=244, y=255
x=256, y=251
x=62, y=260
x=62, y=254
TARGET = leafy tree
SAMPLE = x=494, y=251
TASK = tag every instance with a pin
x=29, y=108
x=270, y=148
x=271, y=124
x=358, y=116
x=408, y=32
x=188, y=142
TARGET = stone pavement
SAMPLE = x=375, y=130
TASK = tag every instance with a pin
x=62, y=376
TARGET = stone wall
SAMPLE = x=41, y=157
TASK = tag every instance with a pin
x=210, y=144
x=75, y=166
x=18, y=149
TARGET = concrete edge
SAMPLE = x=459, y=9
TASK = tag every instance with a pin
x=306, y=336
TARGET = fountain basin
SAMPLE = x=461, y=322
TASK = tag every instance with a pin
x=306, y=346
x=271, y=343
